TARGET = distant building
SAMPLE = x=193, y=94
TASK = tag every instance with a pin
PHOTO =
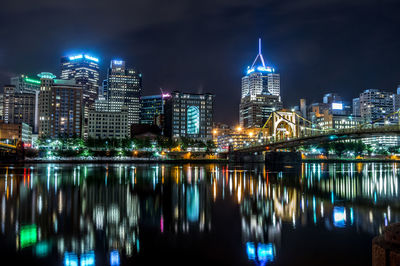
x=254, y=113
x=20, y=107
x=234, y=139
x=25, y=84
x=60, y=107
x=105, y=124
x=124, y=87
x=152, y=107
x=303, y=108
x=16, y=132
x=375, y=104
x=260, y=93
x=189, y=115
x=356, y=107
x=330, y=121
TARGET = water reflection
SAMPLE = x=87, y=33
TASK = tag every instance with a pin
x=96, y=213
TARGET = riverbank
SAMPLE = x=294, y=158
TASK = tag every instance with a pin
x=118, y=160
x=351, y=160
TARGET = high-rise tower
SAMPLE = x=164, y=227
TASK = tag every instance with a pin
x=260, y=92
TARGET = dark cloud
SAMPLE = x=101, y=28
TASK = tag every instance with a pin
x=204, y=46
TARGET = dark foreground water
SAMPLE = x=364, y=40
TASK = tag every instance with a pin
x=123, y=214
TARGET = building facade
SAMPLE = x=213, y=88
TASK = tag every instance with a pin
x=375, y=104
x=254, y=113
x=20, y=107
x=60, y=107
x=16, y=132
x=124, y=87
x=152, y=108
x=107, y=124
x=189, y=115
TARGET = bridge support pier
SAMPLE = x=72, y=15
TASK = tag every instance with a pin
x=279, y=158
x=246, y=157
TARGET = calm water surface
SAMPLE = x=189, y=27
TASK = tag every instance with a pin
x=124, y=214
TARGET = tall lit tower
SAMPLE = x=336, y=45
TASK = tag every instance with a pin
x=260, y=92
x=85, y=70
x=260, y=78
x=124, y=86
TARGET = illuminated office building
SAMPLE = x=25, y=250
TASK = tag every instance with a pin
x=85, y=70
x=189, y=115
x=260, y=93
x=60, y=107
x=106, y=124
x=20, y=107
x=375, y=104
x=124, y=86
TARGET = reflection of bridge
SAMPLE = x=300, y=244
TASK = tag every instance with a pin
x=285, y=129
x=326, y=136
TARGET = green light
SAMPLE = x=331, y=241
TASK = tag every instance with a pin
x=28, y=235
x=33, y=81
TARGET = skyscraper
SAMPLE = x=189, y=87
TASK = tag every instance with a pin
x=375, y=104
x=124, y=86
x=25, y=84
x=260, y=93
x=85, y=70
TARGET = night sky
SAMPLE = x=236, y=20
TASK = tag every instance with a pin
x=317, y=46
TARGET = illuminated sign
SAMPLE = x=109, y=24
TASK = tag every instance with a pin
x=33, y=81
x=76, y=57
x=337, y=106
x=339, y=216
x=80, y=56
x=114, y=258
x=261, y=69
x=118, y=62
x=166, y=95
x=91, y=58
x=28, y=235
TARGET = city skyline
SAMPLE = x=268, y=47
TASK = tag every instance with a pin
x=317, y=47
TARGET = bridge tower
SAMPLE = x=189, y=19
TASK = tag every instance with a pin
x=284, y=125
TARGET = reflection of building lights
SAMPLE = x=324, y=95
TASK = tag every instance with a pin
x=339, y=216
x=265, y=252
x=251, y=251
x=114, y=258
x=70, y=259
x=87, y=259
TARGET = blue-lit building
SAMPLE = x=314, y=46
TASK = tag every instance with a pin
x=85, y=70
x=260, y=93
x=152, y=109
x=189, y=115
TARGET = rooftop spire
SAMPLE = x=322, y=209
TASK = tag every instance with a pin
x=259, y=55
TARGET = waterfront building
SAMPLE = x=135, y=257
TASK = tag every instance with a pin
x=375, y=104
x=13, y=133
x=108, y=124
x=124, y=87
x=234, y=140
x=60, y=107
x=189, y=115
x=152, y=109
x=259, y=86
x=20, y=107
x=25, y=84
